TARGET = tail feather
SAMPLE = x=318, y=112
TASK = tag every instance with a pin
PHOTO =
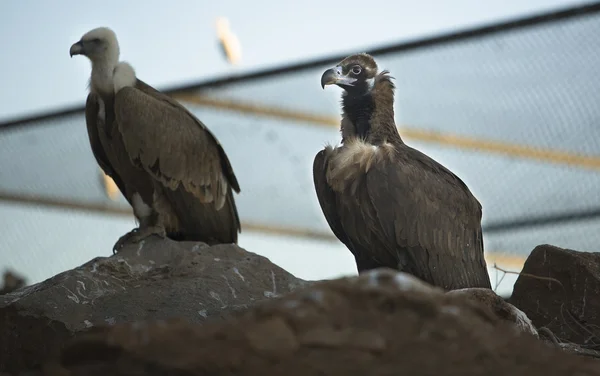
x=203, y=222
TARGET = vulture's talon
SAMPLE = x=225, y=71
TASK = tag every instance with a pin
x=124, y=240
x=137, y=235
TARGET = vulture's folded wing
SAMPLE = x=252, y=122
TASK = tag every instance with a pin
x=426, y=210
x=352, y=226
x=327, y=199
x=171, y=144
x=91, y=119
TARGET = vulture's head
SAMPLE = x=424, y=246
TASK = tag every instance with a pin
x=355, y=74
x=98, y=45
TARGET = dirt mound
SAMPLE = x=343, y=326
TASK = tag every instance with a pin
x=381, y=323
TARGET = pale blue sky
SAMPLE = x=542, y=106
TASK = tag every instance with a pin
x=174, y=42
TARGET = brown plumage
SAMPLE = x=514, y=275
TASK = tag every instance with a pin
x=390, y=204
x=167, y=164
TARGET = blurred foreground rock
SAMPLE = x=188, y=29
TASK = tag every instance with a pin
x=156, y=279
x=381, y=323
x=499, y=306
x=560, y=289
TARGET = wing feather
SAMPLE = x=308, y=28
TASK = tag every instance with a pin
x=170, y=143
x=327, y=198
x=91, y=120
x=428, y=211
x=337, y=207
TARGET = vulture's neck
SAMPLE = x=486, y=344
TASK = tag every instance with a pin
x=359, y=109
x=102, y=81
x=371, y=113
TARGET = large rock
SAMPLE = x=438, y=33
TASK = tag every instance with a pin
x=380, y=323
x=560, y=289
x=157, y=279
x=499, y=306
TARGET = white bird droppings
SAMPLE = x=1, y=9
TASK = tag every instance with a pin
x=450, y=309
x=140, y=246
x=316, y=296
x=71, y=295
x=272, y=294
x=230, y=287
x=236, y=271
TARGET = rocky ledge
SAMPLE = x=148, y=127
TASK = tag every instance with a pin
x=167, y=308
x=156, y=279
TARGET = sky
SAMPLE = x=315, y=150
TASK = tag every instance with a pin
x=174, y=43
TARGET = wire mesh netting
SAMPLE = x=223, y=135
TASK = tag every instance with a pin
x=517, y=112
x=513, y=113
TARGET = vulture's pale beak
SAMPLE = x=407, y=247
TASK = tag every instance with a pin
x=334, y=76
x=76, y=49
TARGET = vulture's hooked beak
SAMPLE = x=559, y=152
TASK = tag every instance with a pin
x=76, y=49
x=334, y=76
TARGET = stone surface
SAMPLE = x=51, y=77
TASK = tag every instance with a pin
x=156, y=279
x=380, y=323
x=500, y=307
x=560, y=289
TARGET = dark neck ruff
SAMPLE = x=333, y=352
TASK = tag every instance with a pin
x=359, y=110
x=371, y=112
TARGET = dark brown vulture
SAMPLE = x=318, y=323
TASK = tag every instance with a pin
x=168, y=165
x=390, y=204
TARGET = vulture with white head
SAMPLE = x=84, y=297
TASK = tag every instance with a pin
x=168, y=165
x=390, y=204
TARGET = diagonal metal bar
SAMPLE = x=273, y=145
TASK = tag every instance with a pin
x=408, y=132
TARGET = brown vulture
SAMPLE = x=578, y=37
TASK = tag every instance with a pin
x=390, y=204
x=168, y=165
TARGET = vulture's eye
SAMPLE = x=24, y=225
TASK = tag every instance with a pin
x=96, y=40
x=356, y=69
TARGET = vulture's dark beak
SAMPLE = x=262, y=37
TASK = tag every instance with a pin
x=76, y=49
x=335, y=76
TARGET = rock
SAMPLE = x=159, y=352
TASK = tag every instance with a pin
x=559, y=289
x=578, y=350
x=156, y=279
x=379, y=323
x=500, y=307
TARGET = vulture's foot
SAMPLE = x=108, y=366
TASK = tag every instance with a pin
x=137, y=235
